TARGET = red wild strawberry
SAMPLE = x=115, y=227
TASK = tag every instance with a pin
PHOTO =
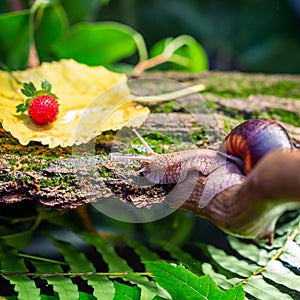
x=43, y=109
x=42, y=105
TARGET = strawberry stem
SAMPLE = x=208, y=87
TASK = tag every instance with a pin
x=46, y=86
x=29, y=89
x=22, y=107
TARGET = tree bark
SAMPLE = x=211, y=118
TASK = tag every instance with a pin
x=57, y=179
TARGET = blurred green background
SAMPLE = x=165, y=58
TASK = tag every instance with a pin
x=245, y=35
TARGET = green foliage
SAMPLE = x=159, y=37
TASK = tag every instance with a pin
x=14, y=37
x=184, y=52
x=183, y=284
x=63, y=29
x=12, y=267
x=111, y=272
x=50, y=23
x=100, y=44
x=126, y=292
x=78, y=10
x=248, y=35
x=266, y=272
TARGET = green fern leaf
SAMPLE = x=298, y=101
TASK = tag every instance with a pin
x=118, y=264
x=103, y=287
x=125, y=292
x=287, y=227
x=63, y=286
x=278, y=273
x=183, y=284
x=12, y=267
x=264, y=271
x=220, y=279
x=147, y=255
x=251, y=252
x=143, y=252
x=291, y=254
x=105, y=248
x=85, y=296
x=74, y=258
x=253, y=283
x=229, y=262
x=184, y=257
x=257, y=287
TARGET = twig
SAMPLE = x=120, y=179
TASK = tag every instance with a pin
x=75, y=274
x=172, y=95
x=33, y=58
x=150, y=63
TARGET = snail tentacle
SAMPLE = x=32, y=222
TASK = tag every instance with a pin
x=144, y=143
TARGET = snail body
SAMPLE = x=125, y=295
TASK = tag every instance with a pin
x=242, y=148
x=251, y=209
x=174, y=167
x=237, y=188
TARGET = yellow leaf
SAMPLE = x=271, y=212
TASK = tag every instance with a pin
x=91, y=100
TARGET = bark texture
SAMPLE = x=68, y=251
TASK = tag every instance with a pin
x=56, y=178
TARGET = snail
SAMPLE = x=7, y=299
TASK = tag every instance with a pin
x=243, y=188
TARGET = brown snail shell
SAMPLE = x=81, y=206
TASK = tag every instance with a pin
x=253, y=139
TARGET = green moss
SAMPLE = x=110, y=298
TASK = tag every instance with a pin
x=12, y=161
x=199, y=136
x=59, y=180
x=25, y=180
x=167, y=107
x=284, y=89
x=213, y=105
x=155, y=140
x=104, y=173
x=243, y=88
x=6, y=177
x=10, y=145
x=285, y=116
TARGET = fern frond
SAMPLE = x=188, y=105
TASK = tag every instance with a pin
x=102, y=286
x=291, y=254
x=10, y=263
x=184, y=258
x=116, y=263
x=143, y=252
x=265, y=272
x=63, y=286
x=125, y=292
x=262, y=271
x=260, y=289
x=183, y=284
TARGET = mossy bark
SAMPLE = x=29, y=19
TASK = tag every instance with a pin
x=57, y=179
